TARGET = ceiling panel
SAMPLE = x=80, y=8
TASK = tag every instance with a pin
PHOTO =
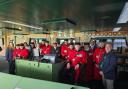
x=91, y=14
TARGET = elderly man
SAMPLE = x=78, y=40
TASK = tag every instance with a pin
x=108, y=67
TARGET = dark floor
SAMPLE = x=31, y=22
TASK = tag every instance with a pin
x=3, y=65
x=120, y=83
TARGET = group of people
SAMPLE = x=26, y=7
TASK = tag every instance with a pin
x=30, y=52
x=99, y=60
x=33, y=51
x=96, y=61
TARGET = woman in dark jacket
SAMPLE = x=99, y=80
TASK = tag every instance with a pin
x=9, y=58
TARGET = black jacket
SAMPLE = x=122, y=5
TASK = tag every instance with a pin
x=55, y=51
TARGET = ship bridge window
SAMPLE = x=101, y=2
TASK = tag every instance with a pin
x=119, y=43
x=109, y=40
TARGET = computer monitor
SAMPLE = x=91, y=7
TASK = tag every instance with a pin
x=51, y=58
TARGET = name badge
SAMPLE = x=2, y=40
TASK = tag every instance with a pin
x=73, y=59
x=65, y=51
x=97, y=56
x=79, y=55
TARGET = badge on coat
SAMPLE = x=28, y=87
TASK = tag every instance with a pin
x=97, y=56
x=73, y=59
x=79, y=55
x=65, y=51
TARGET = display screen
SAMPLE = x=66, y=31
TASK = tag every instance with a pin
x=50, y=57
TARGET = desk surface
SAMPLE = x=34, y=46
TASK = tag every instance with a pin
x=28, y=83
x=8, y=81
x=16, y=82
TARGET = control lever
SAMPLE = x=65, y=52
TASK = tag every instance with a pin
x=38, y=63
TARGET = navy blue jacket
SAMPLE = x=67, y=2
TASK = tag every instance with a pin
x=9, y=54
x=108, y=67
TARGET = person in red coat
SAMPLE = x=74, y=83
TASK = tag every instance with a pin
x=42, y=44
x=24, y=53
x=67, y=73
x=89, y=65
x=71, y=52
x=97, y=58
x=64, y=49
x=47, y=49
x=16, y=51
x=79, y=58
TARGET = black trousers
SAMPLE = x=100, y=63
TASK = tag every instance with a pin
x=11, y=66
x=97, y=84
x=66, y=76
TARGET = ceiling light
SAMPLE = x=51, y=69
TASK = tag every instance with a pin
x=124, y=14
x=20, y=24
x=123, y=18
x=116, y=29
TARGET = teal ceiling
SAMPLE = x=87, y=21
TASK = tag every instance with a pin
x=88, y=13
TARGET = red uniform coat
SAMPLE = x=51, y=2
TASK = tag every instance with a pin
x=46, y=50
x=70, y=55
x=97, y=57
x=64, y=50
x=80, y=57
x=91, y=52
x=42, y=46
x=16, y=52
x=24, y=53
x=90, y=65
